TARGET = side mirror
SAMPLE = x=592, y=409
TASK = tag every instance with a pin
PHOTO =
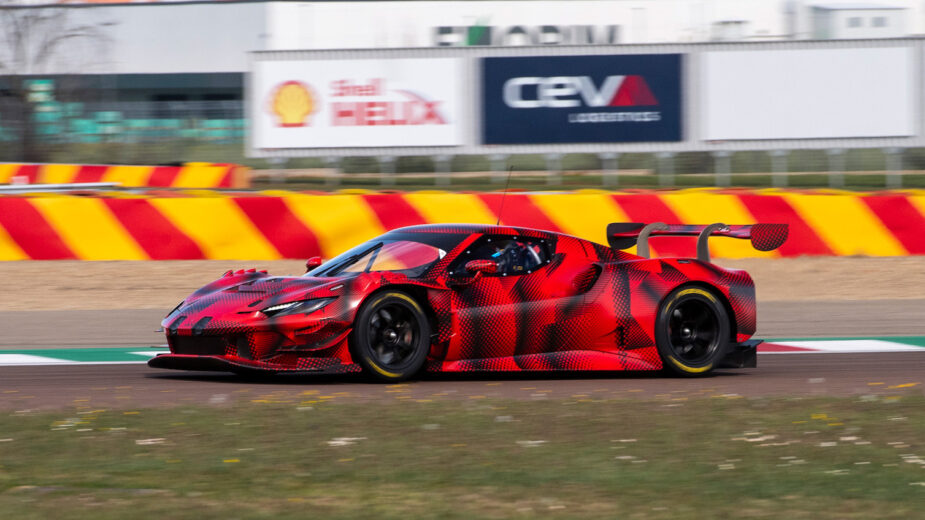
x=482, y=266
x=312, y=263
x=476, y=268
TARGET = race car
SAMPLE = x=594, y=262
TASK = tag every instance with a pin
x=462, y=297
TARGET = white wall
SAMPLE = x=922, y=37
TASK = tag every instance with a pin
x=206, y=37
x=186, y=38
x=320, y=25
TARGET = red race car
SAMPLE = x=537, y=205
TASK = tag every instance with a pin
x=460, y=298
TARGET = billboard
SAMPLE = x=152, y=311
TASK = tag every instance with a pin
x=808, y=93
x=356, y=103
x=581, y=99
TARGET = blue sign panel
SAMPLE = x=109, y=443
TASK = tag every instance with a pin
x=581, y=99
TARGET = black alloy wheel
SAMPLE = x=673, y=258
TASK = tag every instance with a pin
x=391, y=337
x=692, y=331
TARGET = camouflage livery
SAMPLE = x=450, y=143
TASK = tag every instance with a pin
x=567, y=304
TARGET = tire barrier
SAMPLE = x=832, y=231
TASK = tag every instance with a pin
x=273, y=224
x=190, y=175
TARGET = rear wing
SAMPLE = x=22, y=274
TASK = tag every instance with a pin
x=764, y=237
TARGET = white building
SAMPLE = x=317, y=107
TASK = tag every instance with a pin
x=846, y=21
x=143, y=45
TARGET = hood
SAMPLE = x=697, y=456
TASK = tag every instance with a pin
x=254, y=290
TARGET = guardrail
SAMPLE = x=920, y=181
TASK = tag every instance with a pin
x=15, y=189
x=190, y=175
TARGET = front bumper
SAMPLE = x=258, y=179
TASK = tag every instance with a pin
x=742, y=355
x=260, y=351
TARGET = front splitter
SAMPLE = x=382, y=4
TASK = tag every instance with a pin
x=237, y=364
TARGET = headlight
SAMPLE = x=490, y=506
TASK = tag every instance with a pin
x=297, y=307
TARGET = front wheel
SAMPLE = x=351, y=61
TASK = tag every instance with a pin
x=692, y=331
x=391, y=337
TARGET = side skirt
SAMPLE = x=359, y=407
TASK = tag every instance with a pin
x=638, y=359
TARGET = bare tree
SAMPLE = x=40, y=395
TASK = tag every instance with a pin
x=34, y=40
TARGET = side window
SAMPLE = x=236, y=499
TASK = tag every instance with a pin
x=514, y=255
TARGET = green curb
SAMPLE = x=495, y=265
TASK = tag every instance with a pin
x=92, y=355
x=915, y=341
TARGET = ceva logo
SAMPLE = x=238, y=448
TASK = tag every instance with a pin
x=575, y=91
x=292, y=102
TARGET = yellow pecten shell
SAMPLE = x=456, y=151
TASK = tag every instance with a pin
x=293, y=103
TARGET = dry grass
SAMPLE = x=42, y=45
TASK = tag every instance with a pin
x=724, y=457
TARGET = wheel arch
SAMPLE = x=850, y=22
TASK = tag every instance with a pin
x=417, y=292
x=358, y=340
x=715, y=291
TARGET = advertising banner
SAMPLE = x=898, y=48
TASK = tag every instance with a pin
x=581, y=99
x=356, y=103
x=808, y=93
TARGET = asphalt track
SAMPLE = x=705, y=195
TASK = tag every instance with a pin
x=131, y=386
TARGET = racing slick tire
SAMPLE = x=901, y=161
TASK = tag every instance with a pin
x=692, y=331
x=391, y=337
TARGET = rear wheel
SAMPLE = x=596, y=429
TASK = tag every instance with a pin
x=692, y=331
x=391, y=337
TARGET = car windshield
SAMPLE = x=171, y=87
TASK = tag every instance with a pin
x=409, y=257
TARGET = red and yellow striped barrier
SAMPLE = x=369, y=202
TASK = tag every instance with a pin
x=190, y=175
x=272, y=225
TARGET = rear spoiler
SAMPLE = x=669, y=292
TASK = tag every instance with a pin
x=764, y=237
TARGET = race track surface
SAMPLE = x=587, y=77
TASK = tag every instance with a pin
x=135, y=385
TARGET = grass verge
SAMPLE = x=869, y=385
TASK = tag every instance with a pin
x=704, y=458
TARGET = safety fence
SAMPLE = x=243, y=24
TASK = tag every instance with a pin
x=190, y=175
x=271, y=225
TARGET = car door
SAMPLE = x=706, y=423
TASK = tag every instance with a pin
x=522, y=310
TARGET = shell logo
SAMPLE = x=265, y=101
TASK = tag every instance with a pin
x=292, y=102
